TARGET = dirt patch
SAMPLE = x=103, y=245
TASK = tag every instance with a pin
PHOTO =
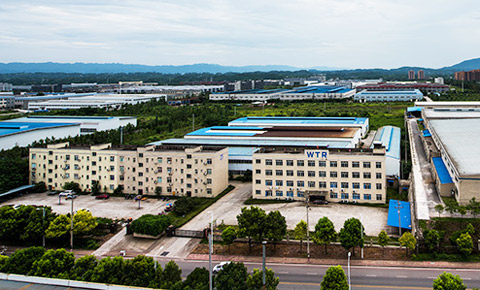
x=292, y=250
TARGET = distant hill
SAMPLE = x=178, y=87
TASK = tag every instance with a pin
x=86, y=68
x=466, y=65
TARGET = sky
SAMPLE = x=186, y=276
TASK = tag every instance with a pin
x=300, y=33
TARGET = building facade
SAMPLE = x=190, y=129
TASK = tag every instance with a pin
x=388, y=96
x=161, y=170
x=473, y=75
x=352, y=175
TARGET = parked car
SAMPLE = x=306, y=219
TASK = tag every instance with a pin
x=66, y=193
x=102, y=196
x=53, y=192
x=319, y=201
x=71, y=196
x=219, y=267
x=169, y=207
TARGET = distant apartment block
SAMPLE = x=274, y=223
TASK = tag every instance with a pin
x=162, y=170
x=5, y=87
x=411, y=74
x=421, y=74
x=473, y=75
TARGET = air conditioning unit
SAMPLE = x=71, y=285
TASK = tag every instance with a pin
x=155, y=182
x=156, y=171
x=269, y=187
x=290, y=188
x=342, y=190
x=276, y=187
x=354, y=191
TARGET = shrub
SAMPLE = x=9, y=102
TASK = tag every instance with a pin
x=149, y=224
x=184, y=205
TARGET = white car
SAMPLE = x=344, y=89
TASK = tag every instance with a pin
x=66, y=192
x=219, y=267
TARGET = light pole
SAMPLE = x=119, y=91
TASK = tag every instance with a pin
x=71, y=225
x=361, y=237
x=210, y=251
x=399, y=206
x=308, y=228
x=348, y=268
x=264, y=268
x=43, y=223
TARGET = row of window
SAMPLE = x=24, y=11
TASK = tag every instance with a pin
x=321, y=163
x=320, y=184
x=311, y=173
x=290, y=193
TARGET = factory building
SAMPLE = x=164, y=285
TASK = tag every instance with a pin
x=335, y=175
x=160, y=170
x=388, y=96
x=423, y=87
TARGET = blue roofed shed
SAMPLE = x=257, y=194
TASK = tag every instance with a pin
x=405, y=220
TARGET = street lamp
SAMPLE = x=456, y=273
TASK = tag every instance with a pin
x=210, y=251
x=308, y=227
x=264, y=268
x=348, y=268
x=43, y=222
x=71, y=224
x=361, y=236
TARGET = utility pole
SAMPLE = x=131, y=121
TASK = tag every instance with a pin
x=121, y=135
x=193, y=123
x=349, y=282
x=308, y=226
x=71, y=225
x=264, y=268
x=361, y=236
x=43, y=221
x=210, y=251
x=398, y=207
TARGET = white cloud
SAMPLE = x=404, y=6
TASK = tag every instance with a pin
x=304, y=33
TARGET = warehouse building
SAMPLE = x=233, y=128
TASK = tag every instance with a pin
x=424, y=87
x=336, y=175
x=389, y=137
x=388, y=96
x=162, y=170
x=295, y=94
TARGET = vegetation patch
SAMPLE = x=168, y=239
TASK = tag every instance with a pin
x=152, y=225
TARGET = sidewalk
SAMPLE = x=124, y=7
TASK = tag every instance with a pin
x=353, y=262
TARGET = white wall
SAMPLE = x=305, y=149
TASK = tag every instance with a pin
x=27, y=138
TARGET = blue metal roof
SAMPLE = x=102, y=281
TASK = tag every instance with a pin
x=40, y=117
x=442, y=170
x=319, y=90
x=225, y=131
x=414, y=109
x=251, y=143
x=426, y=133
x=7, y=128
x=299, y=120
x=405, y=217
x=242, y=151
x=390, y=138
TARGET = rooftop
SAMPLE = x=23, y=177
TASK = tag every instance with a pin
x=452, y=113
x=390, y=138
x=10, y=128
x=298, y=90
x=405, y=217
x=298, y=121
x=460, y=138
x=400, y=92
x=450, y=104
x=442, y=170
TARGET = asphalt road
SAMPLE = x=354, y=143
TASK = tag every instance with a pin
x=307, y=277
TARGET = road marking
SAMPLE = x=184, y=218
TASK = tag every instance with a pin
x=311, y=273
x=282, y=272
x=371, y=275
x=361, y=286
x=401, y=276
x=467, y=278
x=26, y=286
x=432, y=278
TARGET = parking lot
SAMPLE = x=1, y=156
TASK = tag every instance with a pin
x=114, y=207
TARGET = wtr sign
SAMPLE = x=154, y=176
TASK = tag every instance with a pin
x=317, y=154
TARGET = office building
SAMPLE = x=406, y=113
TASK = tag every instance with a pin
x=161, y=170
x=388, y=96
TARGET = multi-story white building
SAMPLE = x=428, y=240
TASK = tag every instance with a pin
x=337, y=175
x=162, y=170
x=389, y=96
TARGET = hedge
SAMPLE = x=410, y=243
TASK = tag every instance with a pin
x=150, y=224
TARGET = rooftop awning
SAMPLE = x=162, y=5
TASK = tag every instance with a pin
x=405, y=217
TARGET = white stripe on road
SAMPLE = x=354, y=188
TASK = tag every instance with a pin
x=401, y=276
x=312, y=274
x=371, y=275
x=282, y=272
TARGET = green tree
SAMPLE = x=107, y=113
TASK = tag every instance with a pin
x=83, y=223
x=462, y=211
x=255, y=281
x=3, y=262
x=251, y=224
x=139, y=271
x=171, y=275
x=229, y=235
x=352, y=234
x=324, y=232
x=432, y=239
x=275, y=227
x=301, y=232
x=109, y=270
x=72, y=186
x=232, y=277
x=447, y=281
x=334, y=279
x=39, y=187
x=21, y=261
x=96, y=187
x=451, y=206
x=439, y=208
x=383, y=239
x=465, y=244
x=59, y=227
x=54, y=264
x=408, y=241
x=474, y=207
x=83, y=268
x=198, y=279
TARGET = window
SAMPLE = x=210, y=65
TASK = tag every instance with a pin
x=209, y=171
x=378, y=164
x=367, y=175
x=356, y=185
x=378, y=175
x=333, y=163
x=300, y=163
x=300, y=183
x=344, y=195
x=367, y=186
x=356, y=174
x=366, y=164
x=289, y=172
x=278, y=182
x=333, y=185
x=367, y=196
x=268, y=161
x=322, y=184
x=300, y=173
x=258, y=161
x=311, y=173
x=189, y=166
x=258, y=171
x=344, y=164
x=356, y=196
x=112, y=158
x=268, y=172
x=322, y=163
x=333, y=174
x=311, y=184
x=300, y=194
x=355, y=164
x=333, y=195
x=344, y=185
x=258, y=191
x=290, y=193
x=379, y=186
x=34, y=156
x=279, y=162
x=311, y=163
x=279, y=193
x=379, y=197
x=322, y=174
x=209, y=181
x=268, y=193
x=290, y=183
x=268, y=182
x=279, y=172
x=209, y=191
x=209, y=161
x=344, y=174
x=289, y=162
